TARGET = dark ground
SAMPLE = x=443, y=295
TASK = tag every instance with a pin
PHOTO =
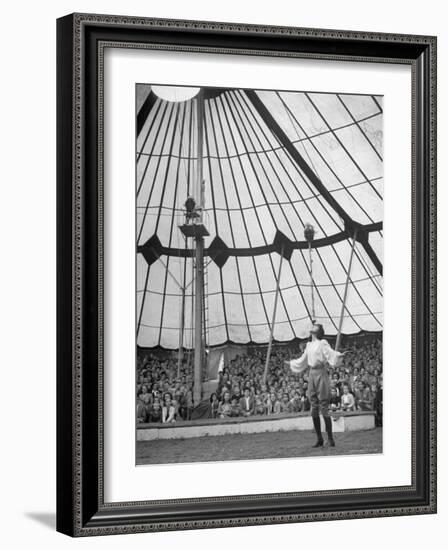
x=252, y=446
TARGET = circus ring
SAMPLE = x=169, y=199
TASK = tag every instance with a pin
x=342, y=422
x=285, y=436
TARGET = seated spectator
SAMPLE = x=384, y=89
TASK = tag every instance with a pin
x=168, y=410
x=235, y=410
x=141, y=411
x=378, y=376
x=334, y=401
x=357, y=392
x=270, y=402
x=365, y=400
x=247, y=404
x=236, y=393
x=277, y=407
x=345, y=380
x=347, y=400
x=155, y=414
x=214, y=405
x=295, y=403
x=156, y=394
x=260, y=407
x=305, y=404
x=285, y=406
x=333, y=386
x=354, y=377
x=225, y=406
x=264, y=392
x=336, y=383
x=364, y=376
x=145, y=396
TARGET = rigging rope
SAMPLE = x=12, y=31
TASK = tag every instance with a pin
x=308, y=227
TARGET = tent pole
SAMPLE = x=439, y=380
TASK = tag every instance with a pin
x=274, y=313
x=182, y=315
x=193, y=278
x=344, y=301
x=181, y=331
x=198, y=347
x=199, y=283
x=313, y=312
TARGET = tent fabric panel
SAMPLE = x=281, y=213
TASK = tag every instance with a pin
x=361, y=106
x=151, y=127
x=253, y=188
x=358, y=147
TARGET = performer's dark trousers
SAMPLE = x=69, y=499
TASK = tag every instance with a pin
x=319, y=390
x=319, y=396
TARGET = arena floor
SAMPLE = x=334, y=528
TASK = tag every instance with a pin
x=285, y=444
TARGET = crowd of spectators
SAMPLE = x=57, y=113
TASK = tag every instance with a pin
x=166, y=395
x=163, y=393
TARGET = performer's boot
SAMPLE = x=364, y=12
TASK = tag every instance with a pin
x=317, y=428
x=329, y=428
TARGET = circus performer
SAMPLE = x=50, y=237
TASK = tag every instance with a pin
x=317, y=355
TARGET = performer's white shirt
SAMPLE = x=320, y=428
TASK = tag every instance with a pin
x=316, y=352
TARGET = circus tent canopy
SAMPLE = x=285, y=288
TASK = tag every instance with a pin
x=273, y=161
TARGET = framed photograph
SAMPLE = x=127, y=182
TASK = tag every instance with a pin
x=246, y=274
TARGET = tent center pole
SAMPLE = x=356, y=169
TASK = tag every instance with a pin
x=199, y=256
x=198, y=304
x=181, y=331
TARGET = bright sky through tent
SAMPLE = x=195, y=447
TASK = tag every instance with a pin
x=175, y=93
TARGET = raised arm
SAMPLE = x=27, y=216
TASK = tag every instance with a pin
x=300, y=364
x=333, y=358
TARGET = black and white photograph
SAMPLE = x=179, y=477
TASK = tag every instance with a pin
x=259, y=274
x=223, y=275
